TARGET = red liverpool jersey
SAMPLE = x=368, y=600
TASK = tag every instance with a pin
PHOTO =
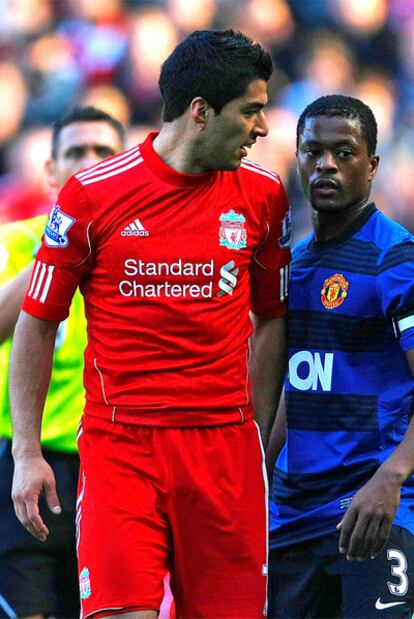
x=169, y=265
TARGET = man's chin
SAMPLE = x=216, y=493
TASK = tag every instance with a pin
x=326, y=206
x=230, y=166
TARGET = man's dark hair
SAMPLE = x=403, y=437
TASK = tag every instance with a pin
x=84, y=114
x=217, y=65
x=345, y=107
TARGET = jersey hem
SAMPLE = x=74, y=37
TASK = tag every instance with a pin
x=171, y=418
x=281, y=541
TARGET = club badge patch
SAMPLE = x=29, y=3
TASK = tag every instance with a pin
x=57, y=228
x=84, y=584
x=334, y=291
x=232, y=232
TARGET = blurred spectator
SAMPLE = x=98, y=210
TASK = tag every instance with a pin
x=377, y=90
x=13, y=97
x=110, y=99
x=24, y=191
x=325, y=65
x=53, y=77
x=152, y=36
x=23, y=18
x=269, y=21
x=190, y=15
x=363, y=18
x=54, y=54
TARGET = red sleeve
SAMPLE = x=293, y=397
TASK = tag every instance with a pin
x=64, y=256
x=269, y=272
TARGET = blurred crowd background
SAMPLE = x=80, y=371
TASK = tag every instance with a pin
x=58, y=53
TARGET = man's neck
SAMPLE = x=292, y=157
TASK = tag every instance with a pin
x=176, y=146
x=331, y=225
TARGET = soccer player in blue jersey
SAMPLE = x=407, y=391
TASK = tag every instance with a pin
x=342, y=503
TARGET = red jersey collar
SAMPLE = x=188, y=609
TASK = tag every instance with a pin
x=167, y=174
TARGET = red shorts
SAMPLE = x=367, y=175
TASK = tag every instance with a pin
x=188, y=500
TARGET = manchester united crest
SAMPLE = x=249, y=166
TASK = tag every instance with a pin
x=232, y=232
x=334, y=291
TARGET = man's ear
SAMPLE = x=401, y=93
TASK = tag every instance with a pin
x=200, y=110
x=50, y=170
x=373, y=166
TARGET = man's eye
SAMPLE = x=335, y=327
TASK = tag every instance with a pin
x=75, y=153
x=105, y=151
x=344, y=154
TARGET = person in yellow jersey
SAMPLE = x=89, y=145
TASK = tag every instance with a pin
x=40, y=579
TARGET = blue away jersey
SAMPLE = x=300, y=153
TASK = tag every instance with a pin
x=349, y=390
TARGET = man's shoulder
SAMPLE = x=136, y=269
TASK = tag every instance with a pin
x=385, y=232
x=301, y=246
x=113, y=172
x=394, y=242
x=259, y=176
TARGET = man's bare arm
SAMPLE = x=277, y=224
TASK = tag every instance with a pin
x=367, y=523
x=11, y=299
x=277, y=438
x=268, y=359
x=30, y=369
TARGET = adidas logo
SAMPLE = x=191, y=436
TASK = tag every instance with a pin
x=135, y=228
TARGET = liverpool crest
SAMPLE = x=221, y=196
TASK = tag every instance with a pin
x=84, y=584
x=232, y=232
x=334, y=291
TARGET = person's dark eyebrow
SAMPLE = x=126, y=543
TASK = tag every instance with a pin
x=344, y=142
x=253, y=105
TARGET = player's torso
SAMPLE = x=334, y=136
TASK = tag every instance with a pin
x=170, y=281
x=171, y=244
x=341, y=343
x=177, y=250
x=348, y=388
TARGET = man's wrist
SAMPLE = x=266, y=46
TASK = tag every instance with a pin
x=26, y=450
x=394, y=473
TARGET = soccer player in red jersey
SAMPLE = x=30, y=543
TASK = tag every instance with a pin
x=180, y=248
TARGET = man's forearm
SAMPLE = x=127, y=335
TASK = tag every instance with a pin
x=277, y=437
x=400, y=464
x=30, y=369
x=268, y=360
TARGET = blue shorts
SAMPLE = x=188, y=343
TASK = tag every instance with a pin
x=312, y=580
x=39, y=577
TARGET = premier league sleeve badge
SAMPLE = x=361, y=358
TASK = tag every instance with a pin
x=57, y=228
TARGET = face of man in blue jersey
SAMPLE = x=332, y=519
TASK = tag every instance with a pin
x=333, y=164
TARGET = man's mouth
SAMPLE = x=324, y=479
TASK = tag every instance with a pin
x=325, y=186
x=244, y=147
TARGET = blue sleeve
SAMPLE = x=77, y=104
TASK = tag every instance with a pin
x=395, y=284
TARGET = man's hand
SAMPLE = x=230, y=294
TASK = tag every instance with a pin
x=366, y=526
x=32, y=476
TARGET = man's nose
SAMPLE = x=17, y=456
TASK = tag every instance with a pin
x=262, y=128
x=326, y=162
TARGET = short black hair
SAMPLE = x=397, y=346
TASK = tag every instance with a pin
x=217, y=65
x=345, y=107
x=84, y=114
